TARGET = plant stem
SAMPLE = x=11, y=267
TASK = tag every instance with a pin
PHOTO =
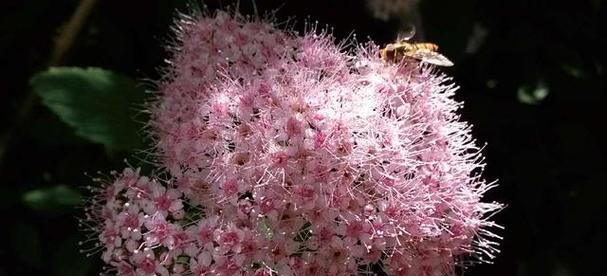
x=63, y=44
x=67, y=36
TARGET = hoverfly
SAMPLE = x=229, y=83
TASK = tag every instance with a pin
x=422, y=51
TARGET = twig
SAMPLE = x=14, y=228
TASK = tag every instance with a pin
x=63, y=44
x=66, y=38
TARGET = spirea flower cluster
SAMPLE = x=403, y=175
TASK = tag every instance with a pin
x=286, y=155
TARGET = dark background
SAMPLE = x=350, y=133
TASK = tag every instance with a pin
x=532, y=76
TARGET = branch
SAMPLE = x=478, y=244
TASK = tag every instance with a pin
x=63, y=44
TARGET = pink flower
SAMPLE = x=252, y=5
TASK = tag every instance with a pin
x=130, y=222
x=201, y=264
x=146, y=264
x=228, y=239
x=283, y=154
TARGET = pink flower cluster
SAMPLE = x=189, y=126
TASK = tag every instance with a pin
x=286, y=155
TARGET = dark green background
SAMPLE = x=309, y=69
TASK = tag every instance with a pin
x=547, y=153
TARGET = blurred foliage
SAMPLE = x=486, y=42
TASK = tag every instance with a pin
x=98, y=103
x=532, y=94
x=532, y=75
x=53, y=198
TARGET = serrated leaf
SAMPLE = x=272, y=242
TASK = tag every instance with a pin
x=56, y=197
x=98, y=103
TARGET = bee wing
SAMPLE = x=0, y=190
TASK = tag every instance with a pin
x=431, y=57
x=406, y=33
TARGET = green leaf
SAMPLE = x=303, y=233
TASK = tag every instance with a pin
x=98, y=103
x=532, y=94
x=57, y=197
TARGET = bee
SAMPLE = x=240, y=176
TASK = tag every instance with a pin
x=422, y=51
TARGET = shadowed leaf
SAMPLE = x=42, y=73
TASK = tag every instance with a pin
x=57, y=197
x=98, y=103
